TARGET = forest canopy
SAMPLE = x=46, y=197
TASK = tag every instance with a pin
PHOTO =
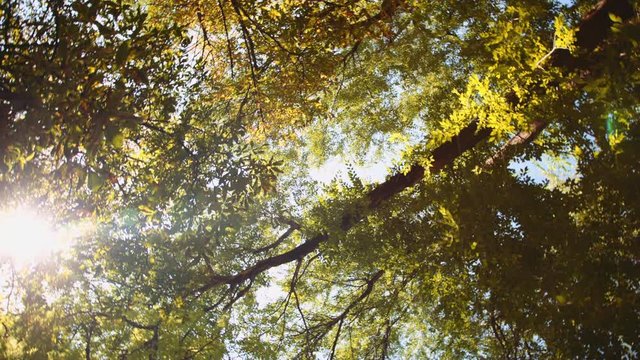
x=160, y=196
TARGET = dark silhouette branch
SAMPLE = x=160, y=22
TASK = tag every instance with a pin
x=293, y=226
x=388, y=9
x=226, y=33
x=314, y=334
x=292, y=255
x=595, y=26
x=253, y=62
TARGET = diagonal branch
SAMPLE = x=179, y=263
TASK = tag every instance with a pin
x=592, y=31
x=596, y=24
x=293, y=226
x=442, y=155
x=519, y=140
x=292, y=255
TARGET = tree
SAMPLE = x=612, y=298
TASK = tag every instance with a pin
x=164, y=124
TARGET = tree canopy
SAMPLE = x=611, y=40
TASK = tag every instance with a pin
x=183, y=135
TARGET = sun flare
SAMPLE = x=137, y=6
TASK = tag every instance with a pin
x=27, y=235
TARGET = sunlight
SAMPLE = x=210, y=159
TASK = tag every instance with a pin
x=26, y=235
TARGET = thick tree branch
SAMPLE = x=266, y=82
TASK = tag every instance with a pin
x=292, y=255
x=592, y=31
x=520, y=139
x=595, y=25
x=253, y=62
x=388, y=9
x=442, y=156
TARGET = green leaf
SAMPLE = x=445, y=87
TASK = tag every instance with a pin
x=94, y=181
x=146, y=210
x=615, y=18
x=118, y=141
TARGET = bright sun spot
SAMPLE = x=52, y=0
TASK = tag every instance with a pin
x=26, y=235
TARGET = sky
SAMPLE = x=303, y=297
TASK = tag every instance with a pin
x=545, y=169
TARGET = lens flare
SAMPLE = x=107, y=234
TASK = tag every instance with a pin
x=27, y=235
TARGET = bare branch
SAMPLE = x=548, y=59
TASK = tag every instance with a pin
x=293, y=227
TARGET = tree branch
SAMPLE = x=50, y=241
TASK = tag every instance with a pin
x=442, y=156
x=226, y=32
x=593, y=29
x=324, y=328
x=292, y=255
x=293, y=226
x=520, y=139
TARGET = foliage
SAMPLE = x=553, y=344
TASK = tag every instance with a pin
x=185, y=132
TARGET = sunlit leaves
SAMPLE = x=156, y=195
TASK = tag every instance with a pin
x=185, y=131
x=564, y=37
